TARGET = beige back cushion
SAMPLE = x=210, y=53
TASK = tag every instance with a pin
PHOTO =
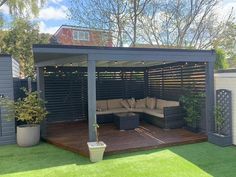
x=151, y=103
x=114, y=103
x=131, y=102
x=101, y=105
x=164, y=103
x=125, y=104
x=140, y=103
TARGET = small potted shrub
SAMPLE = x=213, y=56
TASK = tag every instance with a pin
x=29, y=110
x=192, y=105
x=219, y=137
x=96, y=149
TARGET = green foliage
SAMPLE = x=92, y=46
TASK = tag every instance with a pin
x=29, y=109
x=221, y=61
x=24, y=7
x=219, y=119
x=18, y=42
x=192, y=104
x=227, y=40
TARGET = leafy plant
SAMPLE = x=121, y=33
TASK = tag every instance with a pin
x=192, y=105
x=219, y=119
x=29, y=109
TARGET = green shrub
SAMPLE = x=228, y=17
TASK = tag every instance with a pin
x=219, y=119
x=29, y=109
x=191, y=102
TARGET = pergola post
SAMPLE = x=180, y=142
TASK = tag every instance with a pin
x=92, y=119
x=40, y=89
x=210, y=96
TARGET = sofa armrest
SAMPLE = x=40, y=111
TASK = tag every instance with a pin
x=174, y=112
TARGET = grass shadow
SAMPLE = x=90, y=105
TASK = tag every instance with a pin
x=15, y=159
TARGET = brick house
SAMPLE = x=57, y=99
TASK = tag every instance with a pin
x=74, y=35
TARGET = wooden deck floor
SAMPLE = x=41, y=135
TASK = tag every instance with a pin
x=73, y=136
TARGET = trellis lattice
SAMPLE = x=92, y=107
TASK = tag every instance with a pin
x=224, y=100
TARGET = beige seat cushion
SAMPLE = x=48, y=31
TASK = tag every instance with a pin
x=140, y=103
x=119, y=110
x=172, y=103
x=154, y=112
x=131, y=102
x=137, y=110
x=164, y=103
x=101, y=105
x=114, y=103
x=151, y=103
x=104, y=112
x=125, y=104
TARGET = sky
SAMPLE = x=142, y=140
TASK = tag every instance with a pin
x=55, y=13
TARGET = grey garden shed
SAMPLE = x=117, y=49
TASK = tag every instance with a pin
x=9, y=69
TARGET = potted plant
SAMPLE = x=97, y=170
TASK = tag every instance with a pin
x=29, y=110
x=219, y=137
x=191, y=103
x=96, y=149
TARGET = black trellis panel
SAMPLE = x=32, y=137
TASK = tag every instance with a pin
x=224, y=100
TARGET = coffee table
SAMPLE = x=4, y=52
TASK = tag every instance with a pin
x=126, y=121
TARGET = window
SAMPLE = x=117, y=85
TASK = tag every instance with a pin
x=105, y=37
x=81, y=35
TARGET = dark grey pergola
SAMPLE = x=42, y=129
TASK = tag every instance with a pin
x=90, y=57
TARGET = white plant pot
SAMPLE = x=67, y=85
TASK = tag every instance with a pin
x=28, y=135
x=96, y=150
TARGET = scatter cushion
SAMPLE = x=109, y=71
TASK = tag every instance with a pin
x=114, y=103
x=101, y=105
x=164, y=103
x=125, y=104
x=151, y=103
x=140, y=103
x=131, y=102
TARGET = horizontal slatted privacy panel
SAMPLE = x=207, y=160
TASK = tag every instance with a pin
x=124, y=82
x=170, y=81
x=66, y=93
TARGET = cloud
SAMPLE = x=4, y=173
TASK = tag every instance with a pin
x=53, y=13
x=224, y=9
x=43, y=28
x=4, y=9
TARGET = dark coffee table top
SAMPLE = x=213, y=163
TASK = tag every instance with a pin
x=125, y=114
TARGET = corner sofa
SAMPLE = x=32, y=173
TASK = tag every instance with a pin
x=162, y=113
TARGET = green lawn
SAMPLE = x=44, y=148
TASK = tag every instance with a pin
x=201, y=159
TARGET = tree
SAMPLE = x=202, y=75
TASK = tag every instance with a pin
x=181, y=23
x=18, y=42
x=106, y=14
x=221, y=61
x=121, y=17
x=23, y=7
x=227, y=40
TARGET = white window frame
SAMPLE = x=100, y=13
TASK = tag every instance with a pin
x=81, y=35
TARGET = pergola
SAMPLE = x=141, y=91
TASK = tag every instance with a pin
x=113, y=57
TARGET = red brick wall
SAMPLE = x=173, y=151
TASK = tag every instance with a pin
x=65, y=36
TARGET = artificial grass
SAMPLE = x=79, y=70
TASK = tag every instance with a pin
x=203, y=159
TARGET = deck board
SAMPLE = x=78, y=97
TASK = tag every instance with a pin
x=73, y=136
